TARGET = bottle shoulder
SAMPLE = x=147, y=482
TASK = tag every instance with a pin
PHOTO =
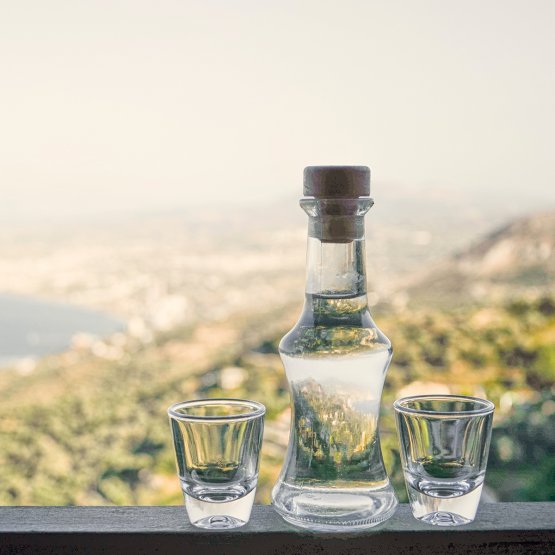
x=334, y=337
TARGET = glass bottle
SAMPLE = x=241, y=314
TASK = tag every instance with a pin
x=335, y=359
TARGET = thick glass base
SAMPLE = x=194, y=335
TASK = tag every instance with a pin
x=444, y=519
x=334, y=510
x=444, y=504
x=219, y=509
x=220, y=522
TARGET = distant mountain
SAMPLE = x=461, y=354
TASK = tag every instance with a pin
x=516, y=259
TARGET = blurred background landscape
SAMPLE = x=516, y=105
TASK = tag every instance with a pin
x=152, y=248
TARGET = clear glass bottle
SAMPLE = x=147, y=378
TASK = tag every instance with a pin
x=335, y=359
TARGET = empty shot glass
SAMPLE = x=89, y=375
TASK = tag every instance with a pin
x=217, y=445
x=444, y=443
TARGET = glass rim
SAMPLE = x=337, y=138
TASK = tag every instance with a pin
x=254, y=409
x=487, y=407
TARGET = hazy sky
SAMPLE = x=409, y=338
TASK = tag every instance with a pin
x=132, y=104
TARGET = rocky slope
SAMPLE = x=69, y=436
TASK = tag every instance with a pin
x=515, y=260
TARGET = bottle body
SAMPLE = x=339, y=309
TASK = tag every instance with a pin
x=333, y=477
x=335, y=359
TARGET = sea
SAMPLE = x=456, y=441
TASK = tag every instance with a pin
x=31, y=328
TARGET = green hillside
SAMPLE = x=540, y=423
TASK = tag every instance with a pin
x=85, y=430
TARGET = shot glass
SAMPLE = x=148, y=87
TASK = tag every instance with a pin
x=444, y=443
x=217, y=445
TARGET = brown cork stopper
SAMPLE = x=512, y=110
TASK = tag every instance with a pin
x=337, y=190
x=336, y=181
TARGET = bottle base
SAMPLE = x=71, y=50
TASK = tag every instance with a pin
x=337, y=510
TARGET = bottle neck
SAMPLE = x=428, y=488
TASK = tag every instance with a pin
x=336, y=262
x=336, y=269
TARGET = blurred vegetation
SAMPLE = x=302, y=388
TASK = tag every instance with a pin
x=81, y=429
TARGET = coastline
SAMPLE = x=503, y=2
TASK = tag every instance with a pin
x=32, y=327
